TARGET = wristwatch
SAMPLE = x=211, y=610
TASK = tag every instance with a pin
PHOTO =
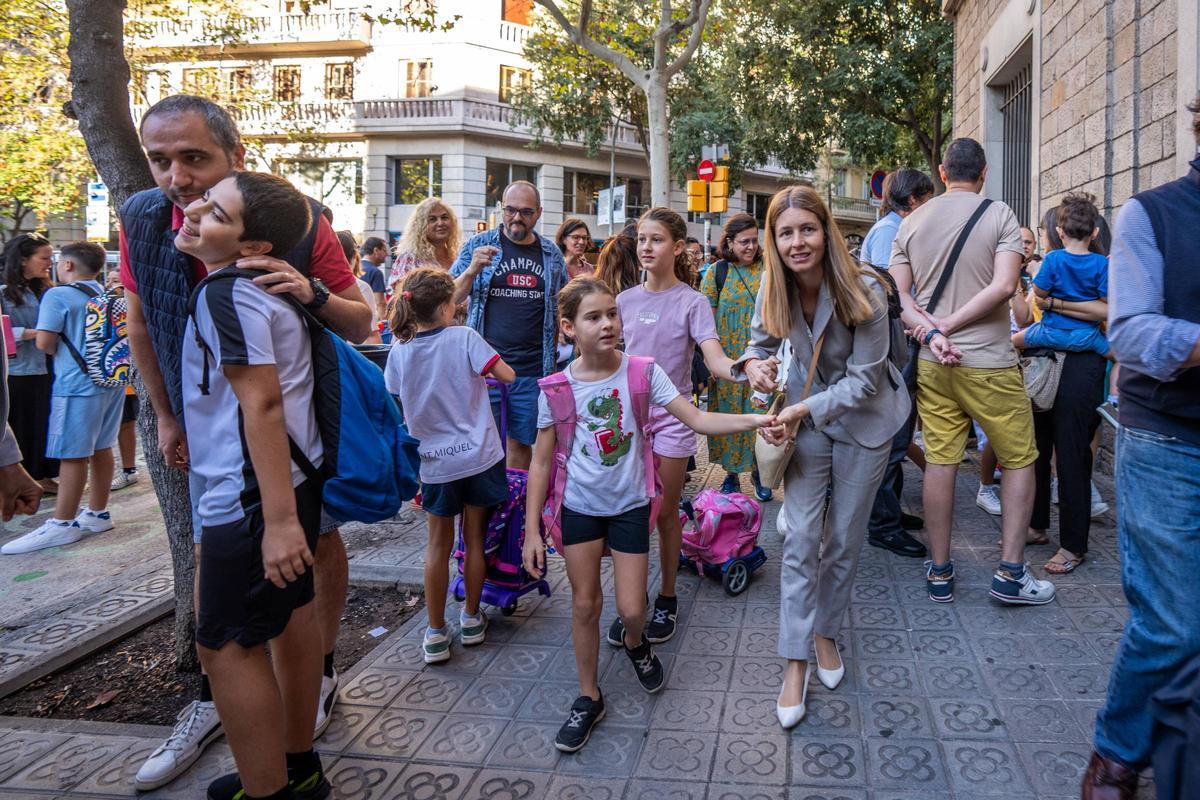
x=320, y=294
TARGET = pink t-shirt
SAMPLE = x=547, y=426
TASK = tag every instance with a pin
x=667, y=326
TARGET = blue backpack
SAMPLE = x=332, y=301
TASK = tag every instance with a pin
x=371, y=463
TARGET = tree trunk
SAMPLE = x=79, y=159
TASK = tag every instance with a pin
x=100, y=102
x=100, y=96
x=171, y=488
x=660, y=152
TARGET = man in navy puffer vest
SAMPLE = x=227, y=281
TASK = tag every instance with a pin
x=192, y=143
x=1154, y=331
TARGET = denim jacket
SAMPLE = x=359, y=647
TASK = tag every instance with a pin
x=556, y=278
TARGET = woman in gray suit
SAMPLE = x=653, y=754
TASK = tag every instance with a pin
x=817, y=296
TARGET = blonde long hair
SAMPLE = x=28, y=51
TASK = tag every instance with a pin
x=415, y=241
x=853, y=302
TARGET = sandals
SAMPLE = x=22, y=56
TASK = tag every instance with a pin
x=1064, y=562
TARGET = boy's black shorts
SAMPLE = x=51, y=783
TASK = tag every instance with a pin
x=238, y=604
x=628, y=532
x=130, y=412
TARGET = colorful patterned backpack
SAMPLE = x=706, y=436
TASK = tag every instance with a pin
x=106, y=357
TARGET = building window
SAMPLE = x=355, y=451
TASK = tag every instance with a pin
x=240, y=81
x=338, y=183
x=201, y=81
x=756, y=206
x=286, y=85
x=513, y=79
x=1016, y=108
x=339, y=81
x=415, y=179
x=581, y=192
x=501, y=173
x=518, y=11
x=418, y=78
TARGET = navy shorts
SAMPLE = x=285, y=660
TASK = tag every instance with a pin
x=130, y=412
x=238, y=604
x=483, y=490
x=522, y=409
x=627, y=532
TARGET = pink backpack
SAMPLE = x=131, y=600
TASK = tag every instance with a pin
x=725, y=526
x=561, y=400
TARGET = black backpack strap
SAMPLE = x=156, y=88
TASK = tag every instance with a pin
x=722, y=274
x=955, y=253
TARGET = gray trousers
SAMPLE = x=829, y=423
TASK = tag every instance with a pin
x=817, y=576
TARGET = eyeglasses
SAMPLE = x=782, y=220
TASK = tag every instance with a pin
x=745, y=242
x=510, y=211
x=578, y=237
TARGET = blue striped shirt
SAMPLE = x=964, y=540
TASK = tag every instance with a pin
x=1142, y=337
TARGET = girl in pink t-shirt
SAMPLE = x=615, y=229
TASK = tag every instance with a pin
x=667, y=319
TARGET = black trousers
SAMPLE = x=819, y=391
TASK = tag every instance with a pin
x=29, y=416
x=886, y=510
x=1065, y=433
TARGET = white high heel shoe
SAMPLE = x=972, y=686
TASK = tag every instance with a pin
x=830, y=678
x=790, y=716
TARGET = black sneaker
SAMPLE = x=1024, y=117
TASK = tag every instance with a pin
x=662, y=623
x=647, y=667
x=575, y=732
x=312, y=786
x=616, y=633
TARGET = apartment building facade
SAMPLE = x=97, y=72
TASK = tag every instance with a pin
x=1076, y=95
x=371, y=117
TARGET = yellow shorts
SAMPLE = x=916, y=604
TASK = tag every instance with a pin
x=948, y=398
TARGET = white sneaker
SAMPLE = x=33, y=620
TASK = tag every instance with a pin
x=1026, y=590
x=51, y=533
x=988, y=498
x=123, y=479
x=94, y=521
x=1099, y=507
x=1054, y=490
x=197, y=727
x=329, y=689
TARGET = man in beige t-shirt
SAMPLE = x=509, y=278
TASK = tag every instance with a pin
x=968, y=367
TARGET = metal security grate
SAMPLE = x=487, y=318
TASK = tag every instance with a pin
x=1016, y=111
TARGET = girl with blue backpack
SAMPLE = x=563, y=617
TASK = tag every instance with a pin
x=462, y=459
x=593, y=485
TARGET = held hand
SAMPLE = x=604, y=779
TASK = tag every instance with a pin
x=919, y=332
x=172, y=444
x=785, y=424
x=285, y=552
x=19, y=493
x=945, y=351
x=481, y=257
x=763, y=375
x=1043, y=302
x=284, y=279
x=533, y=555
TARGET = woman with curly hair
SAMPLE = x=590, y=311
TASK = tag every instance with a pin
x=430, y=239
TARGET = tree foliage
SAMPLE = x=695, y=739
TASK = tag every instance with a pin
x=874, y=76
x=42, y=161
x=777, y=82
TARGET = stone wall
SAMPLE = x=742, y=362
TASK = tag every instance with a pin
x=1106, y=99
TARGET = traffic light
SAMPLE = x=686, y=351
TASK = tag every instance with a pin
x=697, y=196
x=718, y=191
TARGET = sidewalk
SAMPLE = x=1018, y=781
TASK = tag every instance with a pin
x=969, y=700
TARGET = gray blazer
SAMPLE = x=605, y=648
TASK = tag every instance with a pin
x=851, y=399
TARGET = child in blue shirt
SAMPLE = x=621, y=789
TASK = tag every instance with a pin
x=1073, y=274
x=84, y=417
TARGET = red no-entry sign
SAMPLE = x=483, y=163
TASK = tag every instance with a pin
x=706, y=170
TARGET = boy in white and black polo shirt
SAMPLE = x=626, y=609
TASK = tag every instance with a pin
x=247, y=389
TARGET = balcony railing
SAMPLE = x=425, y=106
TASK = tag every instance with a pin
x=852, y=208
x=514, y=34
x=276, y=31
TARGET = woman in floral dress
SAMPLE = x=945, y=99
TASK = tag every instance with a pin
x=731, y=286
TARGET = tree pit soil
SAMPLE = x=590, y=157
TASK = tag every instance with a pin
x=140, y=669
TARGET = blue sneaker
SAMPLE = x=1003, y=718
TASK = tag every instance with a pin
x=940, y=586
x=732, y=484
x=761, y=492
x=1023, y=591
